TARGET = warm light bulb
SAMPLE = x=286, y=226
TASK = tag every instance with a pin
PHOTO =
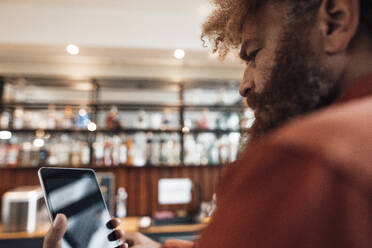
x=82, y=112
x=39, y=143
x=73, y=49
x=179, y=54
x=92, y=127
x=5, y=135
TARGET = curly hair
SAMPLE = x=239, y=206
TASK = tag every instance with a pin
x=223, y=28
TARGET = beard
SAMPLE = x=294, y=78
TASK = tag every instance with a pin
x=297, y=85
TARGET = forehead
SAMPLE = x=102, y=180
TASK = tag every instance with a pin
x=269, y=17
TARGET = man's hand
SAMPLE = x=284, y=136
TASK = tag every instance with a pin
x=53, y=238
x=138, y=240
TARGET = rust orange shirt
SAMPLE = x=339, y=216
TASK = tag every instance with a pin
x=309, y=184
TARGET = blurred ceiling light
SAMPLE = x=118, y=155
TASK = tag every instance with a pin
x=5, y=135
x=83, y=86
x=82, y=112
x=39, y=143
x=179, y=54
x=73, y=49
x=92, y=127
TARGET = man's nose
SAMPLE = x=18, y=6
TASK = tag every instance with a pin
x=247, y=82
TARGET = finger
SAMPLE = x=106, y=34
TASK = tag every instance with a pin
x=54, y=236
x=115, y=235
x=130, y=242
x=119, y=234
x=113, y=223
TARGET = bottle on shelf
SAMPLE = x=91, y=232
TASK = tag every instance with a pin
x=5, y=119
x=121, y=203
x=3, y=153
x=116, y=142
x=85, y=154
x=142, y=120
x=167, y=119
x=12, y=158
x=112, y=119
x=155, y=150
x=99, y=150
x=130, y=151
x=123, y=152
x=204, y=121
x=83, y=118
x=149, y=148
x=107, y=157
x=18, y=118
x=68, y=120
x=139, y=149
x=51, y=117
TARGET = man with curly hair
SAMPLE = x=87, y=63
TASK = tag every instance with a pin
x=305, y=180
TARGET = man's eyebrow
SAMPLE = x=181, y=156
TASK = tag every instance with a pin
x=245, y=44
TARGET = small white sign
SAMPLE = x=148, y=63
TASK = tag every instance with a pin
x=174, y=191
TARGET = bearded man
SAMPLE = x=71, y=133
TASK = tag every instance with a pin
x=305, y=180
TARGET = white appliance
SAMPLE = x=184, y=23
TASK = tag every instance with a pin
x=23, y=209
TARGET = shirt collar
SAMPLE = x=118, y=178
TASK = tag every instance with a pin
x=362, y=88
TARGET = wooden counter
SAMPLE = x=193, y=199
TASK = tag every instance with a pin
x=130, y=224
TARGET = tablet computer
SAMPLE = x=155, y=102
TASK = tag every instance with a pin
x=76, y=193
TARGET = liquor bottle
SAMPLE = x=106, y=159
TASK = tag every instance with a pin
x=85, y=154
x=107, y=154
x=34, y=162
x=51, y=117
x=112, y=119
x=224, y=150
x=213, y=157
x=166, y=119
x=129, y=145
x=75, y=155
x=18, y=118
x=99, y=147
x=203, y=122
x=148, y=148
x=142, y=120
x=123, y=151
x=163, y=151
x=5, y=119
x=12, y=159
x=52, y=150
x=139, y=149
x=116, y=150
x=3, y=153
x=63, y=148
x=155, y=150
x=68, y=121
x=43, y=156
x=121, y=199
x=83, y=118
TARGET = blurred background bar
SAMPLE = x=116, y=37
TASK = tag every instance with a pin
x=124, y=87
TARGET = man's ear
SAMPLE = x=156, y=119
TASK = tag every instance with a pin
x=339, y=23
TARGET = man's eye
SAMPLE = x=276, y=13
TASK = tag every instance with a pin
x=252, y=56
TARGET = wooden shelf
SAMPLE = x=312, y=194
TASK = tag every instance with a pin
x=122, y=106
x=112, y=167
x=123, y=130
x=85, y=131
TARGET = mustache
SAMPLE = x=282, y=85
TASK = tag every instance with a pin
x=260, y=100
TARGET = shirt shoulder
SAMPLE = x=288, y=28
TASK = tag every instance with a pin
x=340, y=136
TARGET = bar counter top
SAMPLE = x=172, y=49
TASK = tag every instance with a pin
x=129, y=224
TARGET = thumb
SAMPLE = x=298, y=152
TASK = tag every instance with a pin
x=54, y=236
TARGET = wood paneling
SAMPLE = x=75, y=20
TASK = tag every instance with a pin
x=140, y=183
